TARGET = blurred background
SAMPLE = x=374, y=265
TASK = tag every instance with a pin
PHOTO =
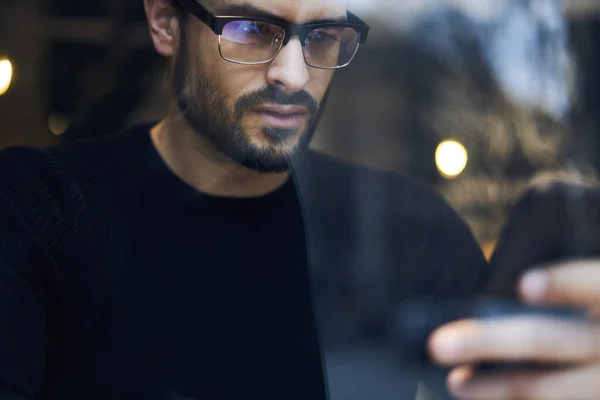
x=473, y=97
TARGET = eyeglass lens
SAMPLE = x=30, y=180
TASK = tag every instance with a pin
x=249, y=41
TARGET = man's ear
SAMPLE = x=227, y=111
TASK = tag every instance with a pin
x=163, y=24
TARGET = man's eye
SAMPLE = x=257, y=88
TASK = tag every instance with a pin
x=324, y=36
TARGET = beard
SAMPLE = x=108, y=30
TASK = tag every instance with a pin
x=206, y=111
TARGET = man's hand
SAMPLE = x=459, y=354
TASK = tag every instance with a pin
x=574, y=345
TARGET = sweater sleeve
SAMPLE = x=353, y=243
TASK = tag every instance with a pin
x=461, y=272
x=33, y=198
x=443, y=257
x=22, y=324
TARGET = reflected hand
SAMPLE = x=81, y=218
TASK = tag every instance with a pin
x=573, y=346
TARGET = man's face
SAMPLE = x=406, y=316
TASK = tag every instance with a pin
x=256, y=115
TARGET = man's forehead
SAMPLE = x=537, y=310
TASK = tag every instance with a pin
x=296, y=11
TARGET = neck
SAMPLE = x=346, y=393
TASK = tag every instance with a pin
x=193, y=159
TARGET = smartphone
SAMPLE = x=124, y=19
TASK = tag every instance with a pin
x=546, y=225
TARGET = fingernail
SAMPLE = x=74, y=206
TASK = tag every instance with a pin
x=534, y=285
x=447, y=347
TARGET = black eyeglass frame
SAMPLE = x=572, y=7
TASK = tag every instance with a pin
x=217, y=24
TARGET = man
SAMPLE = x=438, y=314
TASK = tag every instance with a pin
x=170, y=261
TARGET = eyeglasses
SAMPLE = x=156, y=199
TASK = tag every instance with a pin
x=251, y=41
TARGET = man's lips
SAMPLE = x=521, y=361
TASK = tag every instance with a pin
x=283, y=117
x=281, y=109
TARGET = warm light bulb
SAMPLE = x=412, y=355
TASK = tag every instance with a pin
x=5, y=75
x=451, y=158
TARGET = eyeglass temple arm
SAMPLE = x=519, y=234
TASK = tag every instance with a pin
x=364, y=31
x=199, y=11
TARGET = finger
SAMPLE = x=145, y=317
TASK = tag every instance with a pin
x=537, y=339
x=594, y=312
x=581, y=383
x=575, y=283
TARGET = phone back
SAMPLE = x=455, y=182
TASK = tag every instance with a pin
x=547, y=224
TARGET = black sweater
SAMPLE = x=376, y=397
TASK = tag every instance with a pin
x=119, y=281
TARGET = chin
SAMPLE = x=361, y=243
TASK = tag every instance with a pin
x=271, y=164
x=276, y=141
x=269, y=150
x=264, y=138
x=267, y=157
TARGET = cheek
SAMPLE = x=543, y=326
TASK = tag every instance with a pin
x=235, y=80
x=228, y=80
x=319, y=82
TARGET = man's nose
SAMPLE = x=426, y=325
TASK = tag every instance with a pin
x=288, y=71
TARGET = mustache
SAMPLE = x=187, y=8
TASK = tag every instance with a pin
x=272, y=95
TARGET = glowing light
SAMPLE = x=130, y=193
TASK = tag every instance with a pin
x=6, y=72
x=58, y=123
x=451, y=158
